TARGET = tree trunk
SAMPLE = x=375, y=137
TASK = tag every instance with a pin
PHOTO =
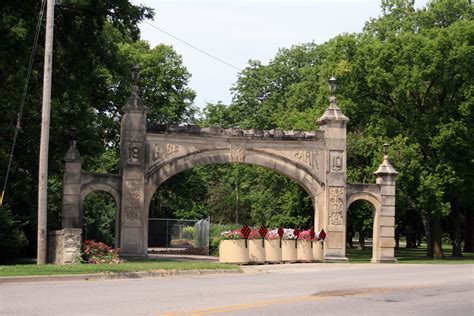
x=397, y=238
x=436, y=238
x=361, y=240
x=469, y=233
x=426, y=226
x=349, y=238
x=411, y=238
x=456, y=218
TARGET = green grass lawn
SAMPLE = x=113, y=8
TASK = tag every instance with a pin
x=411, y=256
x=134, y=266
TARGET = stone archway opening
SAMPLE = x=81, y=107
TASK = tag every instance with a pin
x=99, y=210
x=234, y=193
x=360, y=228
x=230, y=194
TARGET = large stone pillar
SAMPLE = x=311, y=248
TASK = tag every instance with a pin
x=384, y=223
x=72, y=217
x=332, y=213
x=133, y=217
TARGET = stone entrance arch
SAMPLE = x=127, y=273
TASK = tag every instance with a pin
x=152, y=154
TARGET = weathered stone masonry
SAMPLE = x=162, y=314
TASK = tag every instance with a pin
x=151, y=155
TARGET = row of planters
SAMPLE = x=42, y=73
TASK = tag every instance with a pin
x=247, y=245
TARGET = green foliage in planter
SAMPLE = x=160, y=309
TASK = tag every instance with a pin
x=215, y=236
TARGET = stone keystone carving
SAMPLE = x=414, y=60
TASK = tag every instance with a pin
x=237, y=152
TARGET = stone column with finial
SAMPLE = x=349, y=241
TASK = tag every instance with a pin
x=72, y=185
x=384, y=226
x=330, y=212
x=132, y=159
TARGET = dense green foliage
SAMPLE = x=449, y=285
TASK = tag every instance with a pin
x=406, y=79
x=95, y=45
x=12, y=238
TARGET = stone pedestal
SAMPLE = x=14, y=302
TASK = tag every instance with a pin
x=384, y=241
x=64, y=246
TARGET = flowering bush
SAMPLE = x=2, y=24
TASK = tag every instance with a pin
x=306, y=235
x=232, y=234
x=321, y=236
x=254, y=234
x=289, y=234
x=98, y=252
x=272, y=234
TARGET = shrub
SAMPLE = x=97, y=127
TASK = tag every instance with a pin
x=289, y=234
x=12, y=237
x=306, y=235
x=232, y=234
x=188, y=232
x=254, y=234
x=272, y=234
x=215, y=231
x=98, y=252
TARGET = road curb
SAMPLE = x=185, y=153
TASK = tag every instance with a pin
x=114, y=275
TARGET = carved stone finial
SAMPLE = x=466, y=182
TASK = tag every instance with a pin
x=385, y=167
x=134, y=102
x=332, y=85
x=332, y=113
x=72, y=154
x=135, y=74
x=385, y=149
x=332, y=88
x=72, y=136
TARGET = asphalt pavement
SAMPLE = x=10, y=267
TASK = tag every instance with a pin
x=302, y=289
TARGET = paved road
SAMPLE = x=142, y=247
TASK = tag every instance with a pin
x=306, y=289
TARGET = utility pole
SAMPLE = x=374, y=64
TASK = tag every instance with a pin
x=44, y=145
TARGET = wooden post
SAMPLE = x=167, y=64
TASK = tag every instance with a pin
x=44, y=145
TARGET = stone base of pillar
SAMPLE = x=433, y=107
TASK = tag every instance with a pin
x=336, y=259
x=131, y=256
x=64, y=246
x=384, y=260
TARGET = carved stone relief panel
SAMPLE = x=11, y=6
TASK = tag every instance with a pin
x=309, y=157
x=172, y=149
x=155, y=153
x=135, y=153
x=237, y=152
x=336, y=160
x=164, y=151
x=133, y=200
x=336, y=205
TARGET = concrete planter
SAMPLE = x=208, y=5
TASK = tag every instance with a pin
x=288, y=251
x=273, y=252
x=305, y=251
x=256, y=250
x=318, y=251
x=233, y=251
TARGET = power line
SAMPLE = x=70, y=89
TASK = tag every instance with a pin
x=23, y=97
x=194, y=47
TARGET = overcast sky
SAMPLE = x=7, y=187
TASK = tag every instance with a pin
x=237, y=31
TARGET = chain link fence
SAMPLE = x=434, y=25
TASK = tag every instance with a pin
x=178, y=236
